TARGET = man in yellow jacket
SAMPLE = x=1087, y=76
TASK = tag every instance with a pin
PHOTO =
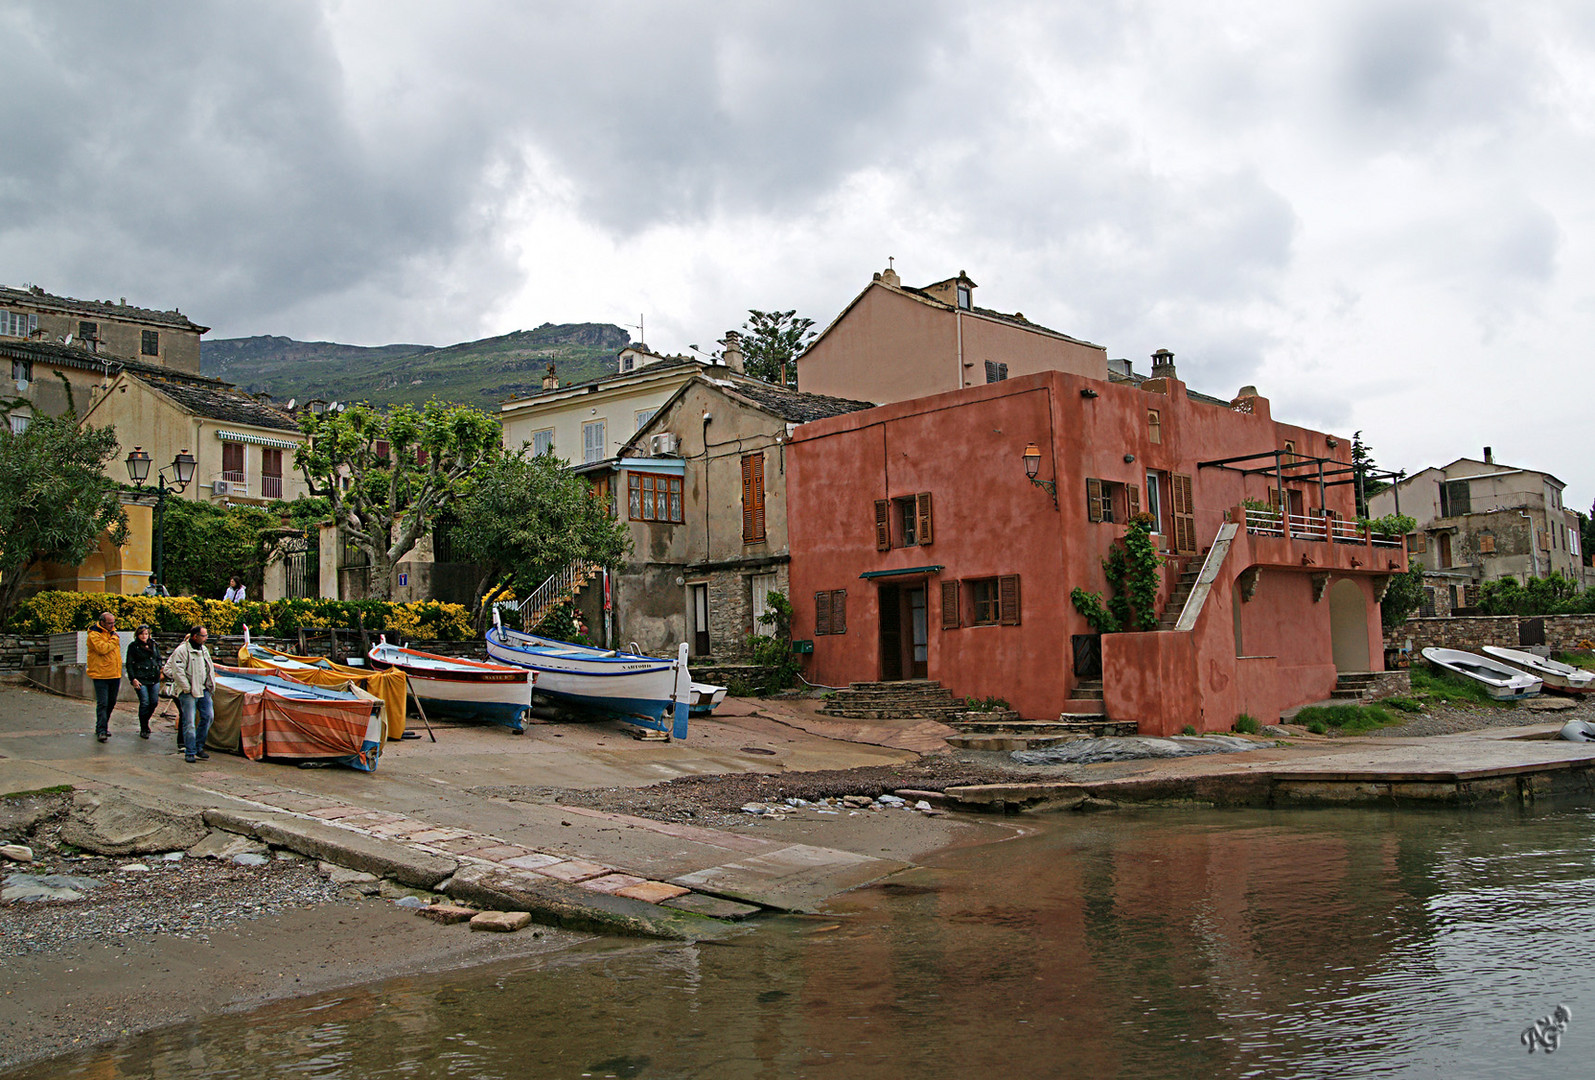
x=105, y=668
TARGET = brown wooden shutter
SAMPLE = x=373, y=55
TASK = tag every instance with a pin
x=1008, y=600
x=1093, y=500
x=950, y=615
x=839, y=611
x=1273, y=498
x=822, y=614
x=1417, y=543
x=1545, y=540
x=1132, y=500
x=922, y=512
x=752, y=498
x=883, y=525
x=1184, y=515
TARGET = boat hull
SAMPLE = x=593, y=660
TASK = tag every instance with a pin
x=706, y=698
x=640, y=690
x=462, y=690
x=1563, y=678
x=1500, y=681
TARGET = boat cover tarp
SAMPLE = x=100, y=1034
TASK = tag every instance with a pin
x=265, y=724
x=389, y=684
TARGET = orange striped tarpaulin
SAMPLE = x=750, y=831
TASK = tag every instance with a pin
x=284, y=727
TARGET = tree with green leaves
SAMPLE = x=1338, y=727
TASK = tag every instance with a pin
x=402, y=468
x=771, y=343
x=528, y=516
x=1362, y=464
x=55, y=498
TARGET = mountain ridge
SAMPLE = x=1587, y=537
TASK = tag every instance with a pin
x=483, y=372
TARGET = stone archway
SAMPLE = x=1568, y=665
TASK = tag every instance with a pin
x=1348, y=625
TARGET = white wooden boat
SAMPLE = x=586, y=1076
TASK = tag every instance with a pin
x=1557, y=675
x=1504, y=683
x=460, y=688
x=648, y=691
x=705, y=698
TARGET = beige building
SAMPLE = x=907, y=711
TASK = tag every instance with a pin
x=702, y=487
x=243, y=445
x=1481, y=521
x=163, y=338
x=587, y=422
x=895, y=343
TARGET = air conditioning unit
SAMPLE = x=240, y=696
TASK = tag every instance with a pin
x=221, y=487
x=663, y=444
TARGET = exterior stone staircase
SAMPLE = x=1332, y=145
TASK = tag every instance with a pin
x=1181, y=593
x=910, y=699
x=1015, y=734
x=1370, y=685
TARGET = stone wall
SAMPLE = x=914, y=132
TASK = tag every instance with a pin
x=1471, y=633
x=17, y=653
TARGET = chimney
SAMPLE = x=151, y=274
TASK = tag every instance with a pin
x=1163, y=365
x=1489, y=456
x=550, y=380
x=732, y=352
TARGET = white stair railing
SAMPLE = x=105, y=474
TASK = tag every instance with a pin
x=561, y=585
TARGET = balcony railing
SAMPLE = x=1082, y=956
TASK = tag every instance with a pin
x=1322, y=530
x=233, y=476
x=271, y=487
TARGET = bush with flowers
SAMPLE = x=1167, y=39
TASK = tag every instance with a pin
x=62, y=612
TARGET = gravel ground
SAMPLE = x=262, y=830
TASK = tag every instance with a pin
x=186, y=898
x=1453, y=719
x=716, y=800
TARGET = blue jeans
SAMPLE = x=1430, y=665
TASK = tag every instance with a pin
x=104, y=701
x=194, y=738
x=149, y=699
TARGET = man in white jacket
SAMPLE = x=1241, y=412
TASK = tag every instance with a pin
x=193, y=678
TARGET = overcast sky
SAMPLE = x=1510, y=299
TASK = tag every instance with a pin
x=1379, y=213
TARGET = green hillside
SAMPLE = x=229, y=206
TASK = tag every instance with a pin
x=481, y=373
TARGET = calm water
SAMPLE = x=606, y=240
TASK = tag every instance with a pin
x=1168, y=944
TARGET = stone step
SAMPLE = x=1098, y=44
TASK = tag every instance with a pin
x=1006, y=743
x=921, y=684
x=1347, y=693
x=1018, y=727
x=1085, y=695
x=1088, y=684
x=890, y=714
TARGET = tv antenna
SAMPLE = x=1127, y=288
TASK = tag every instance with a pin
x=642, y=337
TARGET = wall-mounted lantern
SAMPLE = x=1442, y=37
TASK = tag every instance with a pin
x=1032, y=458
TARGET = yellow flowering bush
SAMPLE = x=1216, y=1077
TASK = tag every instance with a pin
x=62, y=612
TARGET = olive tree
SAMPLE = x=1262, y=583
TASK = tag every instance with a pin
x=387, y=476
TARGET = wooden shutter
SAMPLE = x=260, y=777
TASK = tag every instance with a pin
x=1132, y=500
x=839, y=611
x=1184, y=515
x=922, y=513
x=1545, y=540
x=1008, y=600
x=1274, y=502
x=883, y=525
x=1093, y=500
x=822, y=614
x=1417, y=543
x=752, y=498
x=950, y=615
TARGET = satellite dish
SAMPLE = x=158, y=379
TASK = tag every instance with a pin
x=67, y=340
x=291, y=404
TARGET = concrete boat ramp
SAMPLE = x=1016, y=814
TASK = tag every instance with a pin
x=1499, y=766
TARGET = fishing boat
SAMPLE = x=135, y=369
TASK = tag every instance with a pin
x=649, y=691
x=460, y=688
x=1558, y=676
x=265, y=715
x=705, y=698
x=1503, y=682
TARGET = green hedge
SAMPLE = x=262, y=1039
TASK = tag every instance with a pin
x=61, y=612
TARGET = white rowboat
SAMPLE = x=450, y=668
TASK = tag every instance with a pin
x=459, y=688
x=648, y=691
x=1503, y=682
x=1557, y=675
x=706, y=698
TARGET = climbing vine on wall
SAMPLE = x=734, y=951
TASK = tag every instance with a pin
x=1132, y=572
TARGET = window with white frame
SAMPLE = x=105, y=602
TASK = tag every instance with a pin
x=19, y=423
x=643, y=416
x=592, y=442
x=543, y=441
x=17, y=324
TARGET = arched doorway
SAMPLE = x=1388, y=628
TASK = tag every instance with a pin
x=1348, y=625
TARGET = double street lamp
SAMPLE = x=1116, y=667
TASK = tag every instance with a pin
x=182, y=470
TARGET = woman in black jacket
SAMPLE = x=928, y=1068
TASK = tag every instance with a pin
x=144, y=672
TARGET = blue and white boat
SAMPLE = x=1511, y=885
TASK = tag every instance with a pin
x=648, y=691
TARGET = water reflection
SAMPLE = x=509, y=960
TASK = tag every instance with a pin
x=1217, y=944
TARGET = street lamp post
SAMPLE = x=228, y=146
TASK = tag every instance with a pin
x=182, y=470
